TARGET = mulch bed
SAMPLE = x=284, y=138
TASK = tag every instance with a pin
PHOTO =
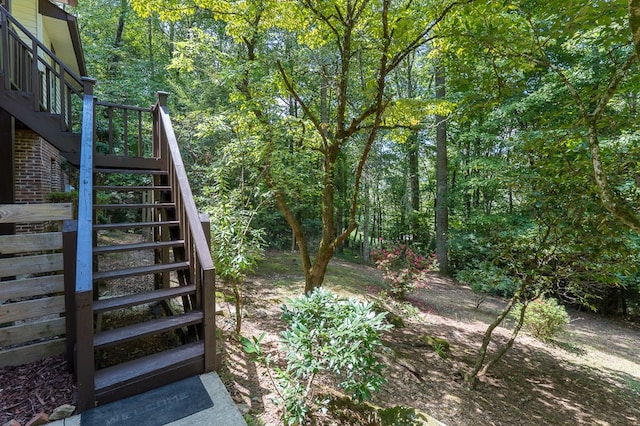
x=37, y=387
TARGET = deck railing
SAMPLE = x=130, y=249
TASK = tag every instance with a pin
x=197, y=253
x=28, y=66
x=124, y=130
x=196, y=247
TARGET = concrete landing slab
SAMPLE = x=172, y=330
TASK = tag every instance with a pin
x=220, y=411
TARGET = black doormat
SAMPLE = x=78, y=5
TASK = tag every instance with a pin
x=153, y=408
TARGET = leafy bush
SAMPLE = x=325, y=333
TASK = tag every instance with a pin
x=543, y=318
x=326, y=334
x=236, y=247
x=403, y=269
x=487, y=278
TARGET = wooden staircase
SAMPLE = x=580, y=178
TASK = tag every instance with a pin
x=135, y=154
x=164, y=283
x=176, y=276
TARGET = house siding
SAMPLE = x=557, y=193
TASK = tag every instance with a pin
x=26, y=12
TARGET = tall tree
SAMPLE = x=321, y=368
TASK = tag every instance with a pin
x=128, y=55
x=634, y=23
x=561, y=93
x=587, y=53
x=294, y=35
x=442, y=176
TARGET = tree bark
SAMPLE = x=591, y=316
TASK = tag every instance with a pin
x=124, y=5
x=414, y=178
x=610, y=202
x=472, y=377
x=366, y=222
x=634, y=23
x=442, y=212
x=508, y=345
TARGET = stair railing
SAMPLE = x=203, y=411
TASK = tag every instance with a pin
x=28, y=66
x=84, y=356
x=197, y=251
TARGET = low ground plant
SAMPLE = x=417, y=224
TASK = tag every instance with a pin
x=544, y=318
x=326, y=336
x=403, y=269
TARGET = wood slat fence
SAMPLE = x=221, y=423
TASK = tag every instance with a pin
x=32, y=301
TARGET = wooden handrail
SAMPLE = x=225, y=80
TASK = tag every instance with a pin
x=6, y=16
x=28, y=66
x=202, y=271
x=129, y=107
x=199, y=239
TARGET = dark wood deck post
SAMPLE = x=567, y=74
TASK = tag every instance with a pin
x=7, y=189
x=4, y=54
x=69, y=248
x=33, y=78
x=211, y=361
x=84, y=354
x=158, y=139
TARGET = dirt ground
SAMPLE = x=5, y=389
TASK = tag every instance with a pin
x=590, y=375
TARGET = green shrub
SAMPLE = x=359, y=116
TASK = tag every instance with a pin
x=403, y=269
x=326, y=335
x=543, y=318
x=487, y=278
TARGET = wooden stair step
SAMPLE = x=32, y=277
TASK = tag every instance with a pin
x=148, y=328
x=131, y=188
x=154, y=245
x=105, y=170
x=133, y=206
x=149, y=372
x=110, y=226
x=121, y=302
x=139, y=270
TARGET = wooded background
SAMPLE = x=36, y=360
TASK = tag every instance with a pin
x=503, y=135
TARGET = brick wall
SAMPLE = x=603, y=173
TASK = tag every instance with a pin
x=38, y=172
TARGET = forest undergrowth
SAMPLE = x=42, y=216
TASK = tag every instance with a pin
x=589, y=375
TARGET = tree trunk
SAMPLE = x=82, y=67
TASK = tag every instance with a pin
x=238, y=305
x=366, y=222
x=414, y=179
x=508, y=345
x=613, y=204
x=152, y=65
x=124, y=5
x=472, y=377
x=634, y=23
x=442, y=213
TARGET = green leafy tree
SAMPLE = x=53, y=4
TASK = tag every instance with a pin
x=236, y=246
x=331, y=62
x=126, y=53
x=544, y=146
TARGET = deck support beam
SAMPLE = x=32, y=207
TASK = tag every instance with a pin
x=7, y=179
